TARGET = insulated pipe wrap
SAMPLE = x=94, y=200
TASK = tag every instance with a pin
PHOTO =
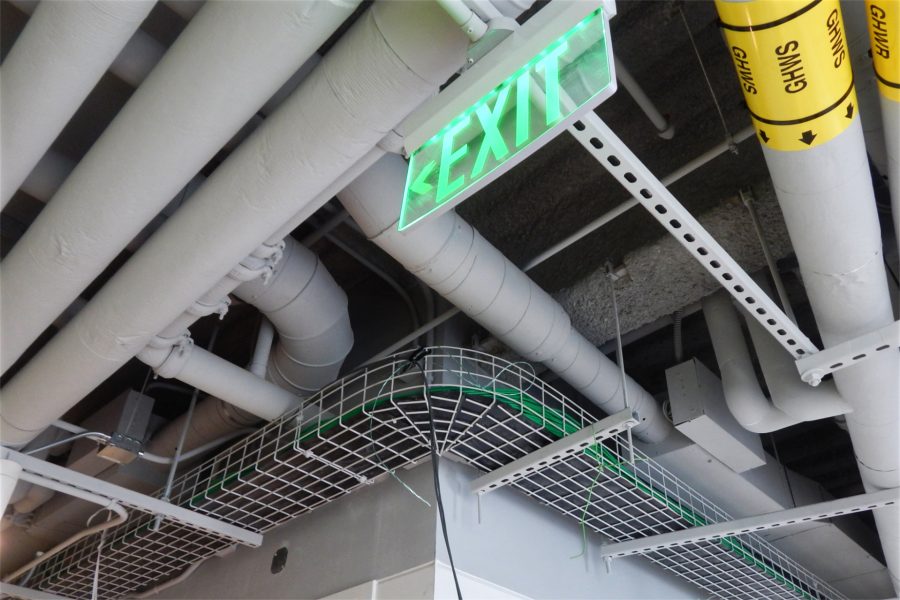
x=228, y=61
x=449, y=255
x=824, y=188
x=743, y=394
x=62, y=53
x=309, y=310
x=359, y=91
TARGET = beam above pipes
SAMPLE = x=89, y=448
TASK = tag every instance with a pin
x=782, y=518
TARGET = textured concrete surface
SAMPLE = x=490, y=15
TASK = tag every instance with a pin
x=664, y=277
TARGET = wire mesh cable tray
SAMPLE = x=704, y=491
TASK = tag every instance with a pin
x=488, y=413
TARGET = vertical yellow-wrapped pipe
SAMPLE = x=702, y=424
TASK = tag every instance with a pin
x=793, y=65
x=883, y=17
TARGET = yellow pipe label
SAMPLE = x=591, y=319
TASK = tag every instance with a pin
x=884, y=31
x=793, y=64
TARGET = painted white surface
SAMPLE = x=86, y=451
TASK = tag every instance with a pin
x=533, y=550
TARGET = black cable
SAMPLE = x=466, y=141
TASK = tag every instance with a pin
x=416, y=359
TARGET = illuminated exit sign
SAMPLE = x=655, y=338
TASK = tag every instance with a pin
x=530, y=105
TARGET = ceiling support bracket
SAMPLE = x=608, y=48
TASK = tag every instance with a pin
x=555, y=452
x=611, y=152
x=132, y=499
x=814, y=368
x=755, y=524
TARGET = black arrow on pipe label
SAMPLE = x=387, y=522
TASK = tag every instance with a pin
x=808, y=137
x=849, y=114
x=763, y=136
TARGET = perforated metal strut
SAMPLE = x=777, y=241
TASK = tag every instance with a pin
x=611, y=152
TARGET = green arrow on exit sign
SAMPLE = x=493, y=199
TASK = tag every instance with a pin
x=520, y=114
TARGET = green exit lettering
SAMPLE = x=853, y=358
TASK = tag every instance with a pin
x=528, y=106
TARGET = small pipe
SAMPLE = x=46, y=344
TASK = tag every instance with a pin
x=168, y=460
x=97, y=436
x=663, y=127
x=263, y=348
x=463, y=16
x=121, y=517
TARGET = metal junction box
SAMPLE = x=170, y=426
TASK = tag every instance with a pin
x=699, y=412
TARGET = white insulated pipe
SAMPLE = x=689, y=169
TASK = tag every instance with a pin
x=392, y=59
x=792, y=401
x=216, y=376
x=824, y=188
x=59, y=57
x=449, y=255
x=828, y=204
x=9, y=478
x=134, y=62
x=664, y=128
x=265, y=337
x=229, y=60
x=788, y=392
x=883, y=19
x=309, y=310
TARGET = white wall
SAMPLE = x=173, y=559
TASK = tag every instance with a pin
x=374, y=533
x=528, y=548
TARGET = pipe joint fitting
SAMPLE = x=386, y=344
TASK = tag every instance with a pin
x=261, y=263
x=179, y=352
x=201, y=309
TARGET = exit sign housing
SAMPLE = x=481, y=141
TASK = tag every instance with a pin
x=528, y=106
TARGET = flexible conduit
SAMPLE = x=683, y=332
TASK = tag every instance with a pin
x=372, y=421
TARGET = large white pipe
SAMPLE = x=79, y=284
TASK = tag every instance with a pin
x=449, y=255
x=134, y=62
x=828, y=203
x=229, y=60
x=309, y=310
x=788, y=392
x=792, y=401
x=394, y=57
x=743, y=395
x=59, y=57
x=883, y=18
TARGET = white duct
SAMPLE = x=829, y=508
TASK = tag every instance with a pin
x=59, y=57
x=309, y=311
x=229, y=60
x=450, y=256
x=394, y=57
x=792, y=400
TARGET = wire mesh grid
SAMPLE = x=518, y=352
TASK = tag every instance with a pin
x=486, y=411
